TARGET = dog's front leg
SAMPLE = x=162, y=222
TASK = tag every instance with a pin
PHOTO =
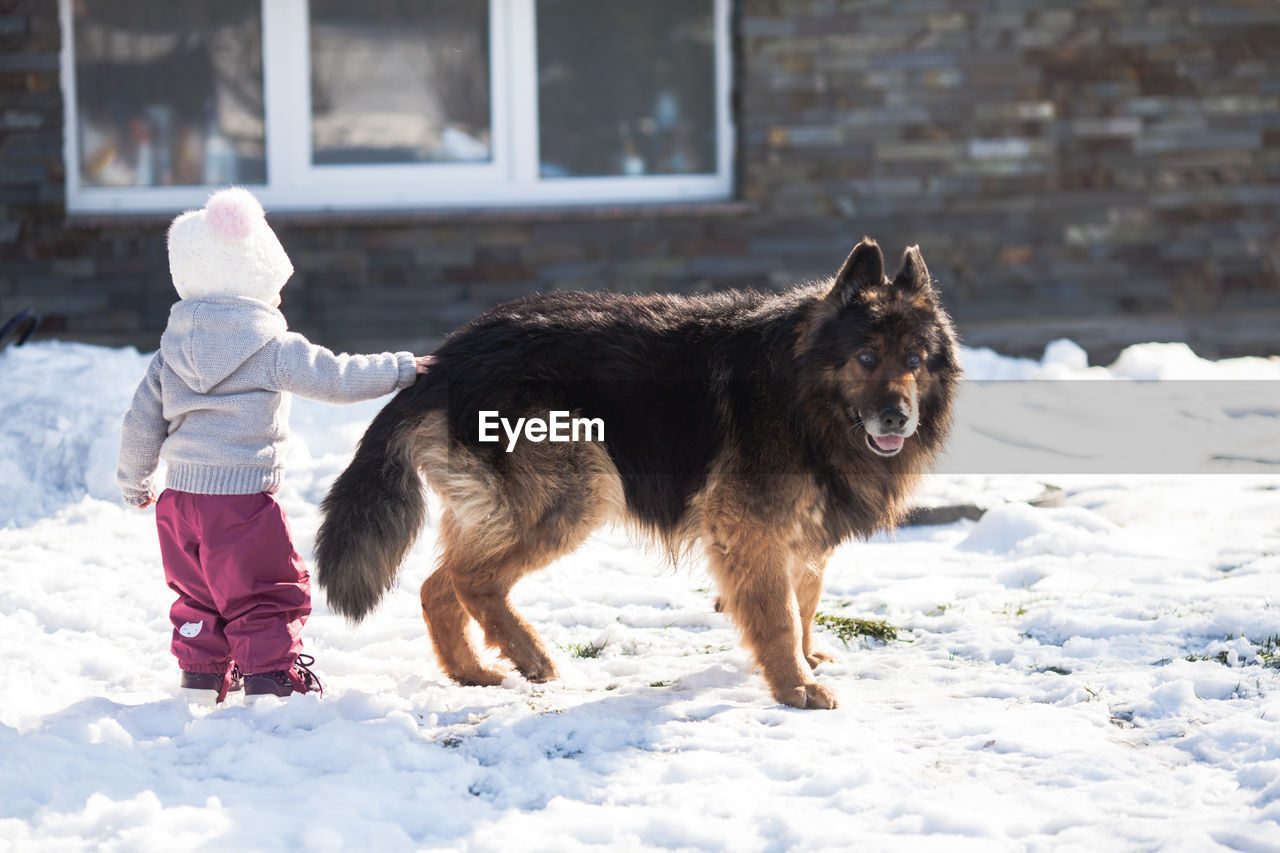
x=808, y=584
x=752, y=567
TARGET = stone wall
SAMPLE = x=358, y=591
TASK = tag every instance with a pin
x=1107, y=169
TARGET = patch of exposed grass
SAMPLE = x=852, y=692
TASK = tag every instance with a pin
x=584, y=650
x=1220, y=657
x=847, y=627
x=1269, y=651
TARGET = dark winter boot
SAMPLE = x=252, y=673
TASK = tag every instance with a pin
x=283, y=682
x=210, y=688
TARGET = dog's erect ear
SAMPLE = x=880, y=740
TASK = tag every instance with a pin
x=862, y=269
x=914, y=275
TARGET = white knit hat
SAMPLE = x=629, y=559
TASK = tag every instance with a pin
x=227, y=249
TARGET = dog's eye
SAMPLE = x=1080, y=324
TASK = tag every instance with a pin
x=913, y=361
x=866, y=359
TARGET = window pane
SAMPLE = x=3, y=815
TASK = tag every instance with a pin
x=394, y=81
x=626, y=88
x=169, y=93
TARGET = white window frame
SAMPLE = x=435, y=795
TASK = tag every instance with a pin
x=510, y=179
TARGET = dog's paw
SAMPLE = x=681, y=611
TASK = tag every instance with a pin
x=811, y=695
x=540, y=671
x=815, y=658
x=480, y=677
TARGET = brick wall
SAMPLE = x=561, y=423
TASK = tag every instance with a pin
x=1107, y=169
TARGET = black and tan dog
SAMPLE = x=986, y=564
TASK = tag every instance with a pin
x=768, y=427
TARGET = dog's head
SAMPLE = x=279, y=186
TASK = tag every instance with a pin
x=882, y=351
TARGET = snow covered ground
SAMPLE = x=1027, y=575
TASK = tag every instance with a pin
x=1099, y=676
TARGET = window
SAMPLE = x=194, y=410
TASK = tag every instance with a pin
x=168, y=94
x=395, y=82
x=617, y=106
x=396, y=103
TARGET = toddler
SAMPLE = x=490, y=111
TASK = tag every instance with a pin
x=215, y=406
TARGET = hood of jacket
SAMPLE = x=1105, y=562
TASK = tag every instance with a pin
x=207, y=339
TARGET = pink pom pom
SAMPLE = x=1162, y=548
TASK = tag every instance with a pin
x=232, y=214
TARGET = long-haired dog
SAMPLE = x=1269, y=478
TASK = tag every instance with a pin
x=768, y=427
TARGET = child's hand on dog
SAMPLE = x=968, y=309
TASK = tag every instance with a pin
x=422, y=362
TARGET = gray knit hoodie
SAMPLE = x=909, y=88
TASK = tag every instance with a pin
x=215, y=401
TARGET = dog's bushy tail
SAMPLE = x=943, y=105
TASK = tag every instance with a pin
x=371, y=516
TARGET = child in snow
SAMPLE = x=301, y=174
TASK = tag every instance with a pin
x=215, y=406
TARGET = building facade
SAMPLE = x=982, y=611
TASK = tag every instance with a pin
x=1106, y=170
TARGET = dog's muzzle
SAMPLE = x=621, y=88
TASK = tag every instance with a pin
x=888, y=429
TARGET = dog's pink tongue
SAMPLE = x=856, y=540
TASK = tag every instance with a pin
x=888, y=442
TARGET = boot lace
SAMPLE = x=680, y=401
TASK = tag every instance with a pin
x=310, y=681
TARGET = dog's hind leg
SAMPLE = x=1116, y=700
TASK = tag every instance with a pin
x=483, y=587
x=447, y=624
x=466, y=587
x=483, y=583
x=504, y=525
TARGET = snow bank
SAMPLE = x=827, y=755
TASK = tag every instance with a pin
x=61, y=406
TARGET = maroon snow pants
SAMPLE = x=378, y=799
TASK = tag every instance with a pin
x=243, y=592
